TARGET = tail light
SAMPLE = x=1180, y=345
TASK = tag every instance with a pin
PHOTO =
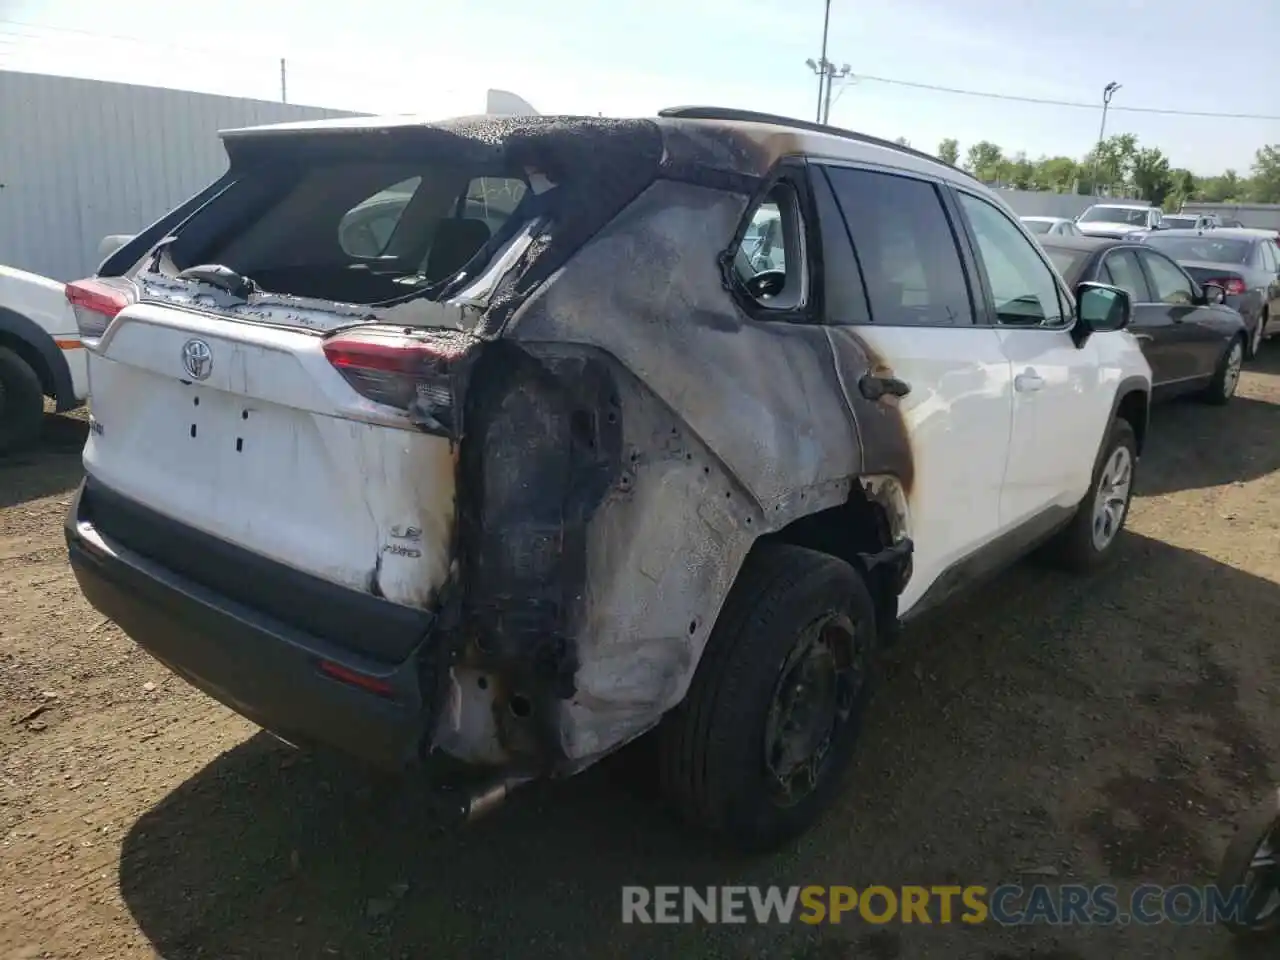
x=408, y=370
x=1233, y=285
x=96, y=303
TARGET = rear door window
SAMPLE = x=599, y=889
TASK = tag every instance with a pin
x=906, y=247
x=1122, y=265
x=1171, y=285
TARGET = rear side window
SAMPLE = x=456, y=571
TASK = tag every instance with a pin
x=906, y=248
x=367, y=228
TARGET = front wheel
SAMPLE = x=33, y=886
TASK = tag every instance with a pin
x=1227, y=376
x=1089, y=540
x=757, y=750
x=21, y=402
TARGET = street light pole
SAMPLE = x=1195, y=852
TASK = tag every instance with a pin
x=1108, y=92
x=822, y=62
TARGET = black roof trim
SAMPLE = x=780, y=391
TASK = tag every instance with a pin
x=753, y=116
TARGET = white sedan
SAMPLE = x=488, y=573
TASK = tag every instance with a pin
x=1052, y=226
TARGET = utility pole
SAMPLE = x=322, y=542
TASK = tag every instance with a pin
x=284, y=91
x=1108, y=92
x=826, y=70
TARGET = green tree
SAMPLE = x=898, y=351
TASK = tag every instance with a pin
x=1220, y=189
x=949, y=151
x=1019, y=172
x=984, y=160
x=1185, y=187
x=1265, y=186
x=1058, y=174
x=1112, y=160
x=1152, y=177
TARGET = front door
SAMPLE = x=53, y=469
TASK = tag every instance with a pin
x=1196, y=336
x=905, y=299
x=1060, y=409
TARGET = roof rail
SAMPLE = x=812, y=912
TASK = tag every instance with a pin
x=753, y=116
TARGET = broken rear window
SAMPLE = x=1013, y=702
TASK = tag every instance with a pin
x=353, y=231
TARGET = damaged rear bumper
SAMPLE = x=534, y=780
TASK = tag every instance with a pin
x=275, y=675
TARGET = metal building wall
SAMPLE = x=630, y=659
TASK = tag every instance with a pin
x=81, y=159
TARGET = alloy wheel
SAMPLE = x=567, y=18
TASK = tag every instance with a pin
x=1112, y=498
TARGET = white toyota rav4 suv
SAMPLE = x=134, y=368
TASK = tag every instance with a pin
x=559, y=454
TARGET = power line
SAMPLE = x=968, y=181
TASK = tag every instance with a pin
x=891, y=81
x=1058, y=103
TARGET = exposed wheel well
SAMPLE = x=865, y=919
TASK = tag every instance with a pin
x=1134, y=408
x=32, y=356
x=847, y=531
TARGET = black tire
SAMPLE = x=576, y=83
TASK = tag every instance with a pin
x=712, y=747
x=1223, y=385
x=1076, y=548
x=1261, y=826
x=21, y=402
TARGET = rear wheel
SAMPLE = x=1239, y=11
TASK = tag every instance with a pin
x=1089, y=541
x=1227, y=377
x=758, y=749
x=21, y=402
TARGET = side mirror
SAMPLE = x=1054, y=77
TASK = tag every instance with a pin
x=1100, y=308
x=1213, y=293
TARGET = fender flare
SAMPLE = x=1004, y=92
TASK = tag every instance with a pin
x=1130, y=385
x=55, y=364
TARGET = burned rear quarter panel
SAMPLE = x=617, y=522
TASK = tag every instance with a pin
x=730, y=428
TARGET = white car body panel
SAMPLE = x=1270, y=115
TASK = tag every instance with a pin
x=958, y=415
x=273, y=451
x=43, y=301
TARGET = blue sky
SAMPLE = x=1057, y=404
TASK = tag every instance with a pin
x=622, y=57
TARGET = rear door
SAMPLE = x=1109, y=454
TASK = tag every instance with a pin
x=1060, y=403
x=897, y=283
x=1196, y=334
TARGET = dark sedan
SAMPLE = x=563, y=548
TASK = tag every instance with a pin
x=1245, y=263
x=1193, y=341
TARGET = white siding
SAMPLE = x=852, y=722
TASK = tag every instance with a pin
x=81, y=159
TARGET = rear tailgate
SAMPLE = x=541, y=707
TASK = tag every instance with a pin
x=267, y=447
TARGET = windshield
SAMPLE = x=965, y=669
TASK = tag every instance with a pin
x=1178, y=223
x=1134, y=216
x=1211, y=249
x=1038, y=226
x=1069, y=263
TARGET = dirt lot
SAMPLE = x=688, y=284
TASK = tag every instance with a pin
x=1104, y=730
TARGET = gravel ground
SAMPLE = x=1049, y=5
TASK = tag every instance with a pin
x=1097, y=731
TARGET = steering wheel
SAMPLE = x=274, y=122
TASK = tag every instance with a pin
x=768, y=283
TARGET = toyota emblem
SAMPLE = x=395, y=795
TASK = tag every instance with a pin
x=197, y=358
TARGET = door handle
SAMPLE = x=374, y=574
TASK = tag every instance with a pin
x=873, y=388
x=1028, y=381
x=1143, y=337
